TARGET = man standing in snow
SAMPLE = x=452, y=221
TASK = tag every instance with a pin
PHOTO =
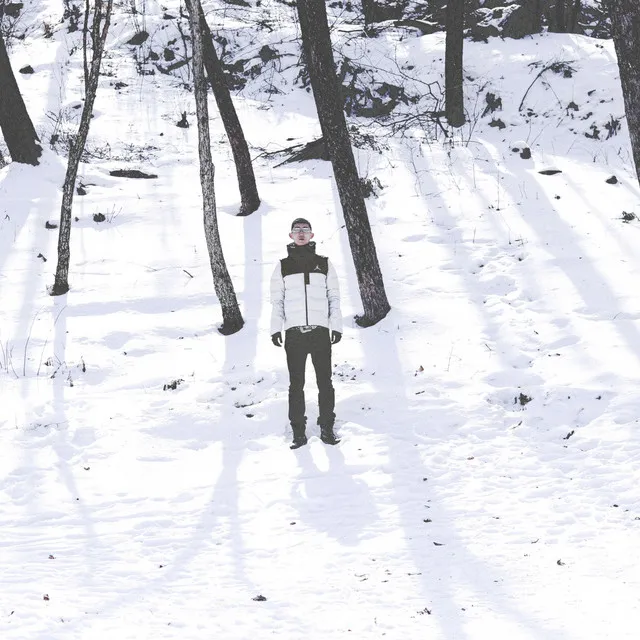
x=306, y=299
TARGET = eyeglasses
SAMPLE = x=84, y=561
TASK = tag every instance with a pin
x=300, y=230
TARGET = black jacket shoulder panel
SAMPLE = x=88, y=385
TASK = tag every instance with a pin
x=323, y=262
x=316, y=264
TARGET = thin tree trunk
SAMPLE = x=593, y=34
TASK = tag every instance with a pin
x=327, y=92
x=99, y=31
x=249, y=198
x=454, y=87
x=560, y=23
x=231, y=316
x=15, y=123
x=537, y=16
x=370, y=11
x=572, y=26
x=625, y=26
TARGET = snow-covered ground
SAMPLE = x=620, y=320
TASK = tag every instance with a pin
x=486, y=485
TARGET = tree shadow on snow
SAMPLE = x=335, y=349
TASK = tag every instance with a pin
x=332, y=500
x=436, y=565
x=218, y=529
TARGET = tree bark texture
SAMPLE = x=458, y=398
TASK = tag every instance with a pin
x=453, y=78
x=572, y=26
x=231, y=317
x=560, y=17
x=316, y=42
x=15, y=123
x=625, y=26
x=564, y=15
x=536, y=16
x=249, y=198
x=99, y=31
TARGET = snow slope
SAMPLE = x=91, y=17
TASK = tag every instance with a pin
x=486, y=484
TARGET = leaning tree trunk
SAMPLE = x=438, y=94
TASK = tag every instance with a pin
x=453, y=81
x=327, y=93
x=625, y=27
x=231, y=317
x=15, y=123
x=249, y=198
x=99, y=31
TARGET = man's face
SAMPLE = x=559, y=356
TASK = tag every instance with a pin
x=301, y=234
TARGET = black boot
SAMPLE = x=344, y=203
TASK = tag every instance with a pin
x=327, y=435
x=299, y=437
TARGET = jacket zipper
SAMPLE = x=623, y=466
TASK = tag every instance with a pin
x=306, y=306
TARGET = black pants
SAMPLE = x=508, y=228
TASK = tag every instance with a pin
x=317, y=344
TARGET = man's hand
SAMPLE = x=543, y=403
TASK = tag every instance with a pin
x=276, y=338
x=336, y=336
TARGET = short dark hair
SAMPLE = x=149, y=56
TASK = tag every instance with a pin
x=300, y=221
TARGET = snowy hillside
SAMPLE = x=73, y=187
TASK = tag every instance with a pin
x=486, y=485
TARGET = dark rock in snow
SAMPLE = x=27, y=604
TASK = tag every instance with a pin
x=314, y=150
x=549, y=172
x=522, y=148
x=183, y=123
x=266, y=53
x=612, y=180
x=511, y=21
x=12, y=9
x=173, y=385
x=493, y=103
x=628, y=216
x=139, y=38
x=28, y=69
x=523, y=399
x=131, y=173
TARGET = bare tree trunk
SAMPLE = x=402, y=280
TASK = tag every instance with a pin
x=249, y=198
x=625, y=26
x=15, y=123
x=98, y=33
x=231, y=317
x=536, y=25
x=560, y=18
x=572, y=25
x=453, y=79
x=529, y=17
x=327, y=92
x=558, y=23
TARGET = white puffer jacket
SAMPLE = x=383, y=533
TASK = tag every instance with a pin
x=305, y=291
